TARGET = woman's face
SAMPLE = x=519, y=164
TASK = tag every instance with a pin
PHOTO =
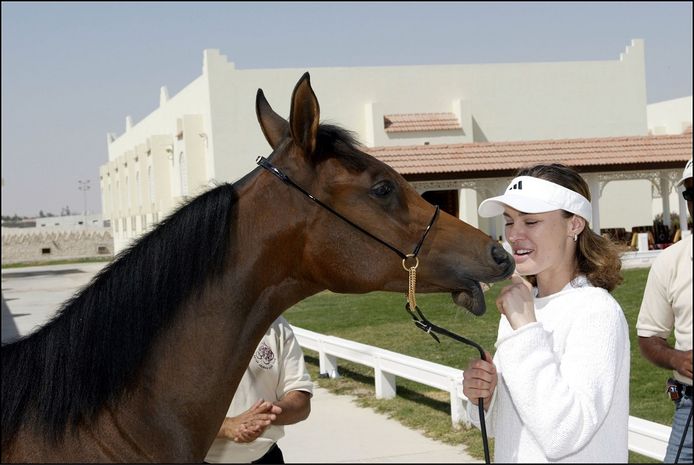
x=542, y=243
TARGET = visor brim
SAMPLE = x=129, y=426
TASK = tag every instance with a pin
x=495, y=205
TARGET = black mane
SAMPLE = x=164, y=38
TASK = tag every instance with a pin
x=89, y=353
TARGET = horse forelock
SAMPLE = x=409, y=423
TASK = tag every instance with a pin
x=88, y=355
x=342, y=144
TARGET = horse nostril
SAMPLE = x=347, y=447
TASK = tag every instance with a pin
x=500, y=255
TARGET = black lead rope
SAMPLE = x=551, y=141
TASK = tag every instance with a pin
x=428, y=327
x=420, y=321
x=684, y=434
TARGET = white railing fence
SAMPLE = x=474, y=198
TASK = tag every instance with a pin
x=645, y=437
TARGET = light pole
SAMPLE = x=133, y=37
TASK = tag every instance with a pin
x=84, y=187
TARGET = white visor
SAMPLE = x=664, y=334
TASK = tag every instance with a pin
x=528, y=194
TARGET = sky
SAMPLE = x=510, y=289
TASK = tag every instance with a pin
x=72, y=72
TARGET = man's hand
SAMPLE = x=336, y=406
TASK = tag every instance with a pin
x=658, y=351
x=250, y=424
x=682, y=362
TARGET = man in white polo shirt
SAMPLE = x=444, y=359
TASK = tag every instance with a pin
x=667, y=306
x=275, y=391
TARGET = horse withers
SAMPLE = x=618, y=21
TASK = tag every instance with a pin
x=142, y=363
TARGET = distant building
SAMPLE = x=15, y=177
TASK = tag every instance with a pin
x=406, y=115
x=73, y=221
x=58, y=238
x=670, y=117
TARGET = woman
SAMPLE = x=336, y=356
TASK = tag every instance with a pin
x=557, y=389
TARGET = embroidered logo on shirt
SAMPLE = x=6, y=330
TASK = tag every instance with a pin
x=264, y=356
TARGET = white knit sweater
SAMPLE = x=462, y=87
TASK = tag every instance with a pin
x=563, y=391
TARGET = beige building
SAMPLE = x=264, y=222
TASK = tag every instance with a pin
x=208, y=131
x=24, y=245
x=54, y=238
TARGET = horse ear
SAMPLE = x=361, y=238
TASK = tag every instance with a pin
x=304, y=115
x=275, y=128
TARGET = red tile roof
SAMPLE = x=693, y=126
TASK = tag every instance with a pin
x=595, y=154
x=413, y=122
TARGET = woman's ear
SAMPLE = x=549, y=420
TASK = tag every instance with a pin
x=576, y=225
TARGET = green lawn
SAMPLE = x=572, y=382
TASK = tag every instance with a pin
x=379, y=319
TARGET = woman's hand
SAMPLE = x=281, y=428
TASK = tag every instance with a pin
x=479, y=380
x=515, y=301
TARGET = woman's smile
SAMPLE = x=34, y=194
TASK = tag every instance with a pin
x=522, y=254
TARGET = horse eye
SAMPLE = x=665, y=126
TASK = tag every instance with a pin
x=382, y=188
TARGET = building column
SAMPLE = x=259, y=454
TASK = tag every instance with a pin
x=594, y=185
x=467, y=207
x=665, y=198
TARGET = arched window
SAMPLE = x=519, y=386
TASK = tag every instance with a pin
x=115, y=200
x=150, y=178
x=107, y=200
x=183, y=170
x=138, y=186
x=127, y=190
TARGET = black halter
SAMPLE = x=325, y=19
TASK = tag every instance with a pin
x=419, y=319
x=263, y=162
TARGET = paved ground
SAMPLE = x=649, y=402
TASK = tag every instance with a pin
x=337, y=431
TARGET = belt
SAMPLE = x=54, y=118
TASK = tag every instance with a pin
x=677, y=389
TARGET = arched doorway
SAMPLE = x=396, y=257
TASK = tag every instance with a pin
x=447, y=200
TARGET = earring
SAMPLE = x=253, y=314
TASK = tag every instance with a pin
x=575, y=237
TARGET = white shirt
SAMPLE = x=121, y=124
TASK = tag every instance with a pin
x=277, y=367
x=667, y=299
x=563, y=391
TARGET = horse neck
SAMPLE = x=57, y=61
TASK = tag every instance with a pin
x=201, y=360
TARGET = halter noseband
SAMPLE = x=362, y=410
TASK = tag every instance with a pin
x=265, y=163
x=411, y=306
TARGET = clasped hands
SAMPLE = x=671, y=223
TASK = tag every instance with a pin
x=247, y=426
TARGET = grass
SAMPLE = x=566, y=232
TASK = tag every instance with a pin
x=379, y=319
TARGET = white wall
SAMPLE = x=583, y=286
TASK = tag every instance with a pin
x=622, y=204
x=669, y=117
x=495, y=102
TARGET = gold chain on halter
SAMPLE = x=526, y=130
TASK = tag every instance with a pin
x=412, y=280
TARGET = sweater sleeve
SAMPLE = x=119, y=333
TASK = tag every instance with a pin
x=491, y=411
x=563, y=398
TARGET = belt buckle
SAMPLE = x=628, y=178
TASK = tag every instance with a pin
x=674, y=389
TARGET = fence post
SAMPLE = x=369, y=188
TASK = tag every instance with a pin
x=327, y=364
x=458, y=403
x=385, y=384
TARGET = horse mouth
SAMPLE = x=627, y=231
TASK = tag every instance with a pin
x=471, y=297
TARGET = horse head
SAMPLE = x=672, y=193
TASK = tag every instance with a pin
x=385, y=212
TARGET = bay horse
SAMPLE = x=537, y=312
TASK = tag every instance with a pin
x=142, y=363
